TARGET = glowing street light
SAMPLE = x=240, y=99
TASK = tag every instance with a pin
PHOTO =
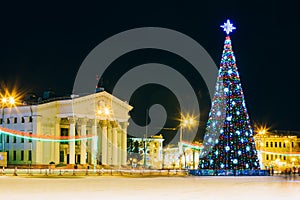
x=6, y=102
x=186, y=122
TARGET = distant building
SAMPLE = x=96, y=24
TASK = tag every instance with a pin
x=279, y=150
x=145, y=152
x=189, y=158
x=96, y=126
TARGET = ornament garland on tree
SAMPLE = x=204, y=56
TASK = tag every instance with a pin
x=228, y=142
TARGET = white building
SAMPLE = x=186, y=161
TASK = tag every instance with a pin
x=94, y=126
x=146, y=152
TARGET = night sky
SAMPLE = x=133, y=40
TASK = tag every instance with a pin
x=43, y=46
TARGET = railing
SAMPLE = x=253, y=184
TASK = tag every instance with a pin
x=92, y=172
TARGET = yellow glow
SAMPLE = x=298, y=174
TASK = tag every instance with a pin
x=261, y=144
x=11, y=100
x=10, y=96
x=261, y=129
x=103, y=111
x=293, y=159
x=99, y=112
x=4, y=100
x=187, y=121
x=106, y=111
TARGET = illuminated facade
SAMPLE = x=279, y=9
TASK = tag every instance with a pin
x=145, y=152
x=96, y=126
x=278, y=149
x=189, y=158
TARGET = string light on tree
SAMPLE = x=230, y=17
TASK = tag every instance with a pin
x=228, y=142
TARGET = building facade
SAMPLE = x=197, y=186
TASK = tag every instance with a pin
x=189, y=158
x=87, y=130
x=145, y=152
x=279, y=150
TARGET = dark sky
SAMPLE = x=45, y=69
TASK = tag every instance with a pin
x=42, y=46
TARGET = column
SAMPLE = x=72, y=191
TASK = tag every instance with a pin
x=94, y=145
x=114, y=144
x=72, y=143
x=83, y=142
x=37, y=148
x=57, y=144
x=103, y=125
x=124, y=144
x=109, y=144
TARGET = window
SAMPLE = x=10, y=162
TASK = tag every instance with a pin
x=15, y=120
x=271, y=144
x=22, y=155
x=267, y=144
x=30, y=140
x=1, y=121
x=22, y=120
x=284, y=158
x=275, y=144
x=14, y=155
x=292, y=144
x=22, y=140
x=14, y=139
x=284, y=145
x=61, y=156
x=29, y=155
x=1, y=138
x=7, y=121
x=64, y=132
x=271, y=156
x=7, y=139
x=7, y=155
x=30, y=119
x=267, y=156
x=280, y=144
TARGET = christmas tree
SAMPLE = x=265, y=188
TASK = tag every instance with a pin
x=228, y=142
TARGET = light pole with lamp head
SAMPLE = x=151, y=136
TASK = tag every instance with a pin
x=186, y=121
x=5, y=102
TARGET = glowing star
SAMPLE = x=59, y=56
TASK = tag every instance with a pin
x=235, y=161
x=228, y=27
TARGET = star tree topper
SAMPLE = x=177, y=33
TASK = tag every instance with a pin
x=228, y=27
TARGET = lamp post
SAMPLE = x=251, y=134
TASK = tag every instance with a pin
x=186, y=121
x=5, y=102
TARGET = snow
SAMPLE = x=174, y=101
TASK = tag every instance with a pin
x=162, y=188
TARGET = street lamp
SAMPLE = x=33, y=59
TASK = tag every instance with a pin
x=6, y=102
x=186, y=121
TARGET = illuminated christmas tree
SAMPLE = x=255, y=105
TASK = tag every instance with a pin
x=228, y=142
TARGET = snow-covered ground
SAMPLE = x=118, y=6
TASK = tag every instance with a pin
x=160, y=188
